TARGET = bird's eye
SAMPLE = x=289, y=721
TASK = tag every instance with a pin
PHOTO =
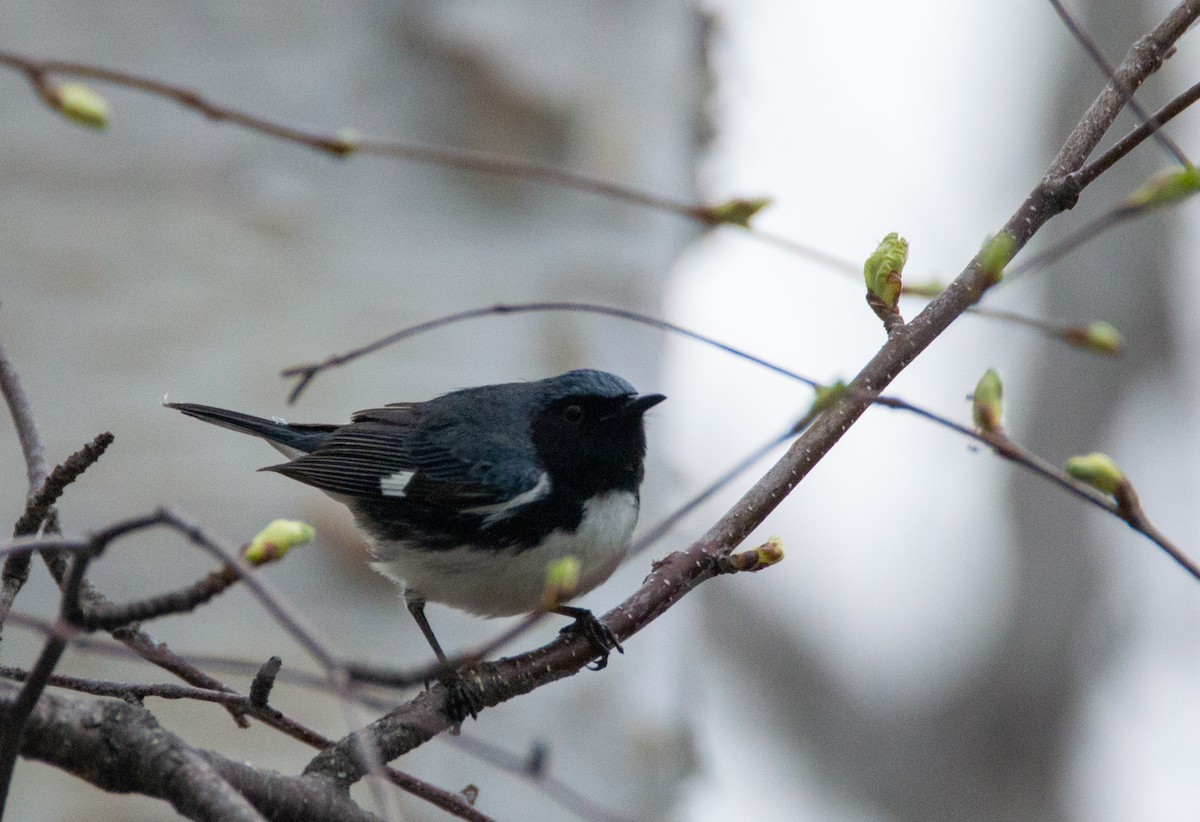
x=572, y=413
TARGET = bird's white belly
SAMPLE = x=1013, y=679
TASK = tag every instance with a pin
x=503, y=583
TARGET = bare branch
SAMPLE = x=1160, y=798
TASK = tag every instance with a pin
x=1136, y=137
x=18, y=713
x=1143, y=59
x=39, y=509
x=19, y=408
x=1000, y=443
x=119, y=747
x=1093, y=50
x=38, y=506
x=306, y=372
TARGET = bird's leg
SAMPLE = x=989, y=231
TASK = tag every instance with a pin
x=416, y=607
x=462, y=700
x=600, y=635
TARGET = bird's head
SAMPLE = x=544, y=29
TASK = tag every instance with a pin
x=588, y=432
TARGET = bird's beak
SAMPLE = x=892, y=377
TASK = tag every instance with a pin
x=639, y=404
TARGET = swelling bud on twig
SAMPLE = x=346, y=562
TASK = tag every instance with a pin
x=882, y=273
x=987, y=406
x=826, y=395
x=764, y=556
x=1166, y=188
x=79, y=103
x=996, y=254
x=562, y=580
x=1098, y=471
x=273, y=542
x=1096, y=336
x=882, y=270
x=346, y=142
x=738, y=211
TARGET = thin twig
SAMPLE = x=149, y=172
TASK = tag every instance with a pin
x=1089, y=173
x=306, y=372
x=1065, y=246
x=344, y=145
x=123, y=690
x=110, y=617
x=39, y=509
x=21, y=411
x=16, y=569
x=533, y=767
x=1110, y=73
x=1076, y=334
x=1003, y=446
x=70, y=612
x=743, y=465
x=1136, y=137
x=38, y=506
x=304, y=633
x=274, y=603
x=159, y=654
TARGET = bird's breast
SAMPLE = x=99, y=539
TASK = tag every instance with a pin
x=491, y=582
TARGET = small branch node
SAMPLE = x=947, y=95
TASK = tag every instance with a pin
x=264, y=681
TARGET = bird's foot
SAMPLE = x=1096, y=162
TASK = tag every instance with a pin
x=600, y=635
x=463, y=697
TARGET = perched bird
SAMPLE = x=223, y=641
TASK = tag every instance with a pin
x=467, y=497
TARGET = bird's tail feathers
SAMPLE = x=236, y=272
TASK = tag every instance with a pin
x=285, y=437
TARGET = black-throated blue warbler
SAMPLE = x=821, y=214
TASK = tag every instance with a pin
x=467, y=497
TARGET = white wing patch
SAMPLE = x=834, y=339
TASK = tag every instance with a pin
x=497, y=511
x=393, y=485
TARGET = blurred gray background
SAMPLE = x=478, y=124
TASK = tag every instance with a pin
x=947, y=639
x=172, y=255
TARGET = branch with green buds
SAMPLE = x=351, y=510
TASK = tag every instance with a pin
x=269, y=545
x=1165, y=189
x=1084, y=476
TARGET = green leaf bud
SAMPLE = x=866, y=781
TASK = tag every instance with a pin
x=1166, y=188
x=562, y=579
x=987, y=405
x=1098, y=471
x=738, y=211
x=1096, y=336
x=273, y=542
x=882, y=270
x=79, y=103
x=996, y=254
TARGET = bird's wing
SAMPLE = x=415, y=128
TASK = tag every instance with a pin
x=391, y=453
